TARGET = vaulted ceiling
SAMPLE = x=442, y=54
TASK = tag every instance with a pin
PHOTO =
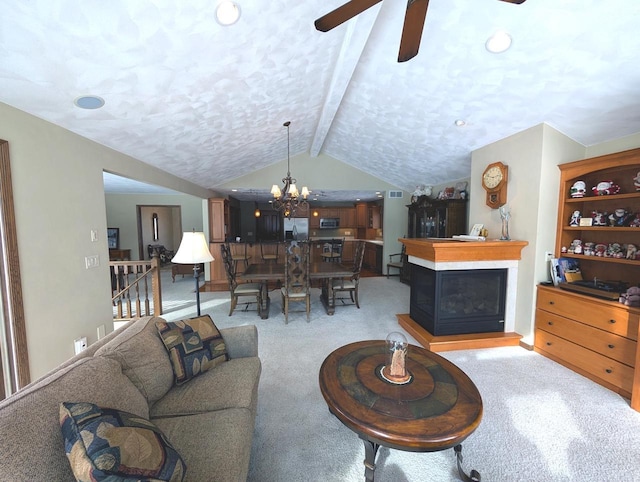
x=207, y=102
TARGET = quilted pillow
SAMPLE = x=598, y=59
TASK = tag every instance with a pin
x=194, y=345
x=104, y=444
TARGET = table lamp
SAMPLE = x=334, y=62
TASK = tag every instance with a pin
x=193, y=250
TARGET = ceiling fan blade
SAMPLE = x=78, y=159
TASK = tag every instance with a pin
x=412, y=29
x=514, y=1
x=343, y=13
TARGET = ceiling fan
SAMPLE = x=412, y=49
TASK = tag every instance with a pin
x=413, y=22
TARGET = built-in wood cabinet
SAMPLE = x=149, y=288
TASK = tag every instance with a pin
x=590, y=335
x=218, y=219
x=593, y=337
x=434, y=218
x=347, y=217
x=362, y=215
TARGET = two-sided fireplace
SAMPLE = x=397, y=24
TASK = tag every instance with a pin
x=455, y=302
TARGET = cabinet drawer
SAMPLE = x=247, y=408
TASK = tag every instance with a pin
x=611, y=371
x=600, y=314
x=610, y=345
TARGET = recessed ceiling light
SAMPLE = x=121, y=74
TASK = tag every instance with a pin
x=227, y=13
x=234, y=190
x=460, y=123
x=89, y=102
x=499, y=42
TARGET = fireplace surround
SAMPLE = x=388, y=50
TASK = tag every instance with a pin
x=457, y=302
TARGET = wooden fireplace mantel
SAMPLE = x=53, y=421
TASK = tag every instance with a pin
x=450, y=250
x=439, y=253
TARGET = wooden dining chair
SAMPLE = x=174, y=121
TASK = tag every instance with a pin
x=269, y=251
x=332, y=252
x=297, y=287
x=236, y=289
x=239, y=254
x=351, y=283
x=396, y=263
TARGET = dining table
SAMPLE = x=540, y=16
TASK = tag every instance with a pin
x=265, y=272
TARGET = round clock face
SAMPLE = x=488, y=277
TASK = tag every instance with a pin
x=492, y=177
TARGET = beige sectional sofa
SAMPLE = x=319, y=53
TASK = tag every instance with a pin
x=209, y=420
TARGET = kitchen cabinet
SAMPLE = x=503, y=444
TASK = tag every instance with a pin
x=347, y=217
x=362, y=215
x=218, y=219
x=373, y=257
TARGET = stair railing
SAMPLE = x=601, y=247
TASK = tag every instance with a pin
x=131, y=284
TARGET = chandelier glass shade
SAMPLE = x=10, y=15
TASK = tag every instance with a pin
x=289, y=200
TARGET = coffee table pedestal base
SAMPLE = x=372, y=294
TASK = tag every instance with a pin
x=371, y=450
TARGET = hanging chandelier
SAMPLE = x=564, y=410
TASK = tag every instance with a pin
x=289, y=200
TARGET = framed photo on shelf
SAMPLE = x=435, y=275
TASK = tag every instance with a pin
x=113, y=238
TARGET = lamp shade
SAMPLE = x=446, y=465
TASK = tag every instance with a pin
x=193, y=249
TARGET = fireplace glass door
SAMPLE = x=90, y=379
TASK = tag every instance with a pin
x=458, y=301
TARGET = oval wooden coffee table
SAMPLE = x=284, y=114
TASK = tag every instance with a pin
x=435, y=410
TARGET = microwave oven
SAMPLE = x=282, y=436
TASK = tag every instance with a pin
x=329, y=223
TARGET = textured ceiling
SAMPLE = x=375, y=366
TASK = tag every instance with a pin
x=207, y=103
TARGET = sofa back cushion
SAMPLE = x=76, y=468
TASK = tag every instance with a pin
x=143, y=357
x=31, y=444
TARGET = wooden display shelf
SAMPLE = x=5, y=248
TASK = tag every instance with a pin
x=456, y=342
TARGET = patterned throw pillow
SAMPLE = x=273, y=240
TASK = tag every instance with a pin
x=104, y=444
x=194, y=345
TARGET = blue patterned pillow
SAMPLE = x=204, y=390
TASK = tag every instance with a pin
x=104, y=444
x=194, y=345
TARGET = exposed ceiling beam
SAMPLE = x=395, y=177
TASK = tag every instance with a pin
x=358, y=32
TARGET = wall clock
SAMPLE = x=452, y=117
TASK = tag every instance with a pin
x=494, y=181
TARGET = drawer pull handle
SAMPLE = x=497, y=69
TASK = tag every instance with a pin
x=548, y=343
x=612, y=321
x=551, y=302
x=609, y=370
x=611, y=346
x=550, y=323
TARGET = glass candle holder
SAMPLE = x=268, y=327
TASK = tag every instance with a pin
x=395, y=370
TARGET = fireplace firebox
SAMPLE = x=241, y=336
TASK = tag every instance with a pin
x=455, y=302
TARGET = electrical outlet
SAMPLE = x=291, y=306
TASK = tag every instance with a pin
x=80, y=344
x=92, y=261
x=101, y=330
x=548, y=256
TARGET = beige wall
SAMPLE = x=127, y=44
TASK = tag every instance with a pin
x=59, y=198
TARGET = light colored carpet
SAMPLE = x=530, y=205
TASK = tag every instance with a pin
x=541, y=421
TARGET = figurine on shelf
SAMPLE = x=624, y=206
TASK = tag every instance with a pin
x=589, y=249
x=615, y=251
x=631, y=297
x=578, y=189
x=636, y=181
x=618, y=217
x=635, y=222
x=421, y=190
x=632, y=251
x=575, y=219
x=599, y=219
x=604, y=188
x=575, y=247
x=600, y=249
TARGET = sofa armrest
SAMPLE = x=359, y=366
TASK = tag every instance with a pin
x=241, y=341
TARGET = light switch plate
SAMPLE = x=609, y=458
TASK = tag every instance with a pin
x=92, y=261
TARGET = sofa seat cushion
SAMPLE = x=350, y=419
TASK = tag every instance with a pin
x=231, y=384
x=143, y=357
x=103, y=443
x=29, y=420
x=194, y=345
x=216, y=446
